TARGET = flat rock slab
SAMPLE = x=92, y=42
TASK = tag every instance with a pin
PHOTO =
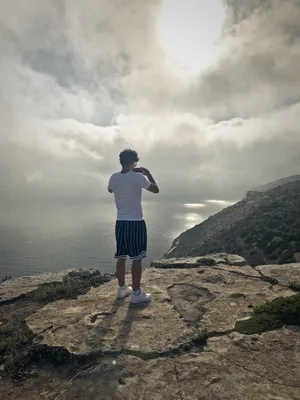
x=14, y=288
x=229, y=262
x=97, y=321
x=209, y=260
x=285, y=273
x=233, y=367
x=186, y=301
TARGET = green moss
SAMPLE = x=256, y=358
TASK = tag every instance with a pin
x=257, y=324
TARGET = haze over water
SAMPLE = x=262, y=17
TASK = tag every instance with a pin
x=52, y=238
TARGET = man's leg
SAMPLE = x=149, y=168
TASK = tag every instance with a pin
x=120, y=271
x=136, y=272
x=121, y=252
x=138, y=295
x=138, y=248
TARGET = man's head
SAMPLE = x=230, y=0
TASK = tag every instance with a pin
x=128, y=158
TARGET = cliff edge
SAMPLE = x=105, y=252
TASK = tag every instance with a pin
x=217, y=329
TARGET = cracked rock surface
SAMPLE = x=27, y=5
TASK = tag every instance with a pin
x=156, y=351
x=231, y=367
x=185, y=301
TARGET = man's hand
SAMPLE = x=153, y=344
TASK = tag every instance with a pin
x=145, y=171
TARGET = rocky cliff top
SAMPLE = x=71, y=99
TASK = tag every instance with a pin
x=217, y=328
x=278, y=182
x=263, y=228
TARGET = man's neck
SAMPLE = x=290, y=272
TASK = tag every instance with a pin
x=125, y=170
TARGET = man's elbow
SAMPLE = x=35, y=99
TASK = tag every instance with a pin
x=155, y=189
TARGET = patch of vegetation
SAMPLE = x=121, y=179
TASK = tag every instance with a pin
x=286, y=257
x=18, y=367
x=257, y=324
x=13, y=344
x=209, y=262
x=201, y=338
x=284, y=309
x=295, y=285
x=58, y=356
x=69, y=289
x=272, y=315
x=17, y=349
x=269, y=279
x=297, y=246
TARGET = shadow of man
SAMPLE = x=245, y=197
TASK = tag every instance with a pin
x=102, y=381
x=132, y=315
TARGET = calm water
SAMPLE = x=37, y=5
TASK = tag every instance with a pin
x=35, y=240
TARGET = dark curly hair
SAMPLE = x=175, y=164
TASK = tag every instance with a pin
x=128, y=157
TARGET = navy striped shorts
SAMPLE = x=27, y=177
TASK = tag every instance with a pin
x=131, y=238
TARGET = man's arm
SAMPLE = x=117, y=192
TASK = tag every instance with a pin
x=153, y=187
x=109, y=186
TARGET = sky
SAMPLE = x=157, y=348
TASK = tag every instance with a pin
x=207, y=92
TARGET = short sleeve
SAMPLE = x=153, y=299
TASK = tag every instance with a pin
x=143, y=181
x=110, y=183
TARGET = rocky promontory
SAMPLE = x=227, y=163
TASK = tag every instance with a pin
x=217, y=328
x=264, y=228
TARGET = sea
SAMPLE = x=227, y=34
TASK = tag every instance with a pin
x=47, y=238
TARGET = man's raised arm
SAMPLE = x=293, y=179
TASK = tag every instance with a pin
x=153, y=187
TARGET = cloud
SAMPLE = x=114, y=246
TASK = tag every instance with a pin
x=257, y=70
x=81, y=81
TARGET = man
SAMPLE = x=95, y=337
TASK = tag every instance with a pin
x=131, y=231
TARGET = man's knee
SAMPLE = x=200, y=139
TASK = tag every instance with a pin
x=137, y=263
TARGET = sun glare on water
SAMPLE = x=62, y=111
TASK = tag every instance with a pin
x=190, y=30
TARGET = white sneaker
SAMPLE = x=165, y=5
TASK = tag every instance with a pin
x=122, y=293
x=142, y=297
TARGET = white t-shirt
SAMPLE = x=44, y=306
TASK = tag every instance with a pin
x=127, y=190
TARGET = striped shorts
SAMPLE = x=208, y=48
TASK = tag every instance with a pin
x=131, y=238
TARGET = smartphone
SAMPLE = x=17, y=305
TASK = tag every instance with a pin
x=137, y=169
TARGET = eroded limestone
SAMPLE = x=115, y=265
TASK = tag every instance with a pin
x=233, y=367
x=96, y=321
